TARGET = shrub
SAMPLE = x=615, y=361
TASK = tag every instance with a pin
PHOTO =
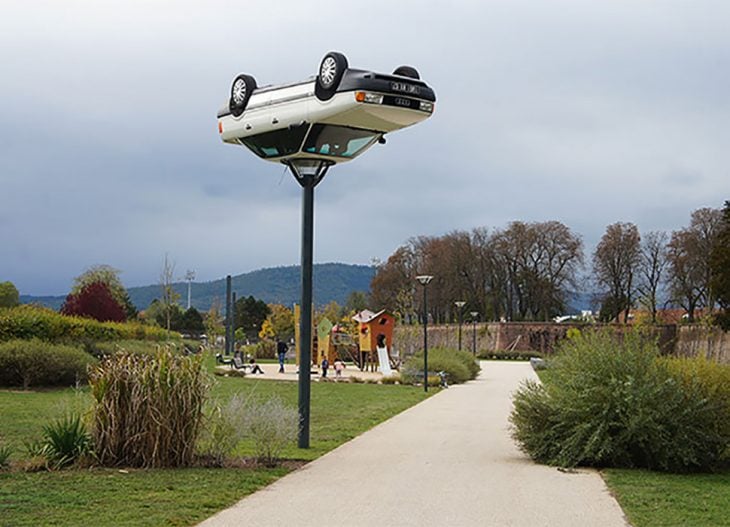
x=611, y=403
x=508, y=355
x=459, y=365
x=220, y=435
x=136, y=347
x=66, y=440
x=264, y=349
x=148, y=411
x=5, y=452
x=391, y=379
x=95, y=301
x=36, y=363
x=27, y=322
x=271, y=426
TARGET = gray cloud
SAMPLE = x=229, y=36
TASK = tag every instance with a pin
x=585, y=112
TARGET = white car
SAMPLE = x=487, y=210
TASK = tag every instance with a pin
x=334, y=116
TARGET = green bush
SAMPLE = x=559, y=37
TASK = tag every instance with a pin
x=28, y=322
x=29, y=363
x=264, y=349
x=148, y=410
x=66, y=440
x=136, y=347
x=459, y=365
x=508, y=355
x=614, y=403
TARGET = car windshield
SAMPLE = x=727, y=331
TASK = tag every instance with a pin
x=339, y=141
x=277, y=143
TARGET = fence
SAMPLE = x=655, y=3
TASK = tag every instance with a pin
x=684, y=341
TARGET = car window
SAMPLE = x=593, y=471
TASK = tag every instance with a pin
x=339, y=141
x=277, y=143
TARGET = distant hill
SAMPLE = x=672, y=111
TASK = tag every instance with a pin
x=278, y=285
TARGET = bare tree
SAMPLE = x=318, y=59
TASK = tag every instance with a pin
x=169, y=295
x=689, y=261
x=615, y=263
x=651, y=270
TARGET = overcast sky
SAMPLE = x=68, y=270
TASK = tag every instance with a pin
x=586, y=112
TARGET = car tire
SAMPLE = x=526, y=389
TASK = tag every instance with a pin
x=329, y=75
x=241, y=90
x=407, y=71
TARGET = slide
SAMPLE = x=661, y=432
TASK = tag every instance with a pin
x=384, y=362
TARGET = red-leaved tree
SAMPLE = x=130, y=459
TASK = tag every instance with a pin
x=95, y=301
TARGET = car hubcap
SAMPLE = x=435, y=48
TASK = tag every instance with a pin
x=239, y=91
x=327, y=71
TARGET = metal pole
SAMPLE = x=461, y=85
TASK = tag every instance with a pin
x=425, y=340
x=228, y=314
x=459, y=329
x=233, y=322
x=305, y=329
x=474, y=339
x=308, y=173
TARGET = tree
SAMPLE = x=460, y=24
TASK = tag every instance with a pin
x=9, y=296
x=356, y=302
x=250, y=315
x=108, y=275
x=192, y=321
x=169, y=295
x=96, y=301
x=653, y=262
x=615, y=264
x=392, y=287
x=720, y=268
x=332, y=312
x=689, y=261
x=281, y=321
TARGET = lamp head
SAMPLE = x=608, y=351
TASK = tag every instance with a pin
x=424, y=279
x=459, y=303
x=474, y=314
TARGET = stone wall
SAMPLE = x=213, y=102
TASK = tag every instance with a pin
x=712, y=343
x=685, y=341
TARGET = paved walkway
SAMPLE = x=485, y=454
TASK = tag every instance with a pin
x=448, y=461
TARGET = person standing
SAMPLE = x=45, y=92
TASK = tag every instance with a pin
x=325, y=365
x=281, y=349
x=339, y=366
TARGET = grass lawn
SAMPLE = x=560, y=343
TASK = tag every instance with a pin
x=339, y=412
x=653, y=499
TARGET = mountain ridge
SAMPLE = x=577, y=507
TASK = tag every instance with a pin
x=274, y=285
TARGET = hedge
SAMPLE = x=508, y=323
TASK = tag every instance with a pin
x=29, y=363
x=459, y=365
x=29, y=322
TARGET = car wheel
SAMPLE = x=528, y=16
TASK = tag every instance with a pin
x=241, y=90
x=407, y=71
x=329, y=75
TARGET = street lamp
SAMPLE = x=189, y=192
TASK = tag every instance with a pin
x=474, y=316
x=459, y=304
x=424, y=280
x=308, y=173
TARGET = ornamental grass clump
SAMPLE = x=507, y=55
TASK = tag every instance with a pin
x=615, y=403
x=66, y=440
x=148, y=410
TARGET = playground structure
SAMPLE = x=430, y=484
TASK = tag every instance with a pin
x=372, y=350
